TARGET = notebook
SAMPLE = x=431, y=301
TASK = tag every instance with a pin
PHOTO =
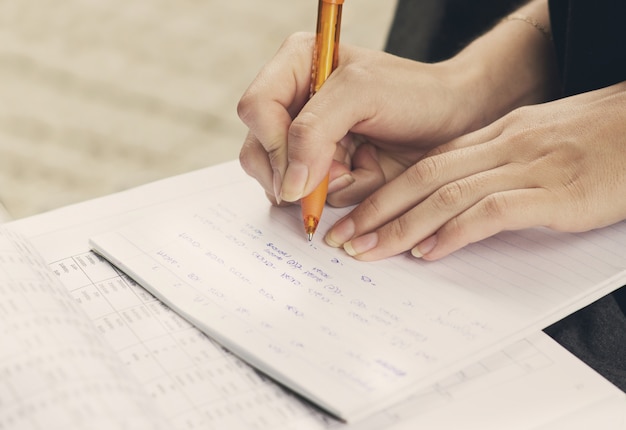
x=352, y=337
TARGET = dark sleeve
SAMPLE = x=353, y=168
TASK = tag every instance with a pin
x=590, y=42
x=434, y=30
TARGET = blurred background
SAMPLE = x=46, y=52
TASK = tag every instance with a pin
x=97, y=96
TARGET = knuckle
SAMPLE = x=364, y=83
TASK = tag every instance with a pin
x=401, y=229
x=296, y=45
x=518, y=131
x=246, y=107
x=397, y=234
x=449, y=195
x=374, y=207
x=519, y=115
x=495, y=206
x=303, y=125
x=357, y=73
x=437, y=150
x=305, y=131
x=298, y=38
x=423, y=172
x=276, y=157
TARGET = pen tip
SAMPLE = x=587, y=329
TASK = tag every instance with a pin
x=310, y=225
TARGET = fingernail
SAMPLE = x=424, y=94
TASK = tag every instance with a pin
x=424, y=247
x=294, y=182
x=278, y=183
x=340, y=233
x=361, y=244
x=340, y=182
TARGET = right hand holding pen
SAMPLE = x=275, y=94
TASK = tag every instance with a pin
x=376, y=115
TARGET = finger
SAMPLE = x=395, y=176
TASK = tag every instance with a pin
x=254, y=161
x=508, y=210
x=274, y=202
x=324, y=120
x=340, y=174
x=365, y=178
x=345, y=150
x=423, y=220
x=411, y=188
x=482, y=135
x=276, y=95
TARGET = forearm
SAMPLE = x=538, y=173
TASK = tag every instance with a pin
x=510, y=66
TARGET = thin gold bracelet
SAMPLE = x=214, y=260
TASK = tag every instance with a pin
x=532, y=21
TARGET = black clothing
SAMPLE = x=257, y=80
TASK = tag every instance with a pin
x=590, y=41
x=433, y=30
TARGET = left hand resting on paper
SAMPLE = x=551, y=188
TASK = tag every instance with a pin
x=561, y=164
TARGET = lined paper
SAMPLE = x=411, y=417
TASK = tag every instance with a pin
x=353, y=337
x=192, y=380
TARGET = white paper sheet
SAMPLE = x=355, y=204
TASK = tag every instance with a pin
x=353, y=337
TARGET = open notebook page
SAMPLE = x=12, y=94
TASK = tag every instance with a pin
x=56, y=371
x=353, y=337
x=197, y=384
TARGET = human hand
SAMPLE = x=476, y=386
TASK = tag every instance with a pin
x=559, y=164
x=375, y=115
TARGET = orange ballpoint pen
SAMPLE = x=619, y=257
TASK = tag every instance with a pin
x=325, y=56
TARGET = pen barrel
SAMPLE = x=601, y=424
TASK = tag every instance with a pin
x=313, y=205
x=325, y=59
x=326, y=53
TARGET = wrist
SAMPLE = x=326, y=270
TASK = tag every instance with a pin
x=510, y=66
